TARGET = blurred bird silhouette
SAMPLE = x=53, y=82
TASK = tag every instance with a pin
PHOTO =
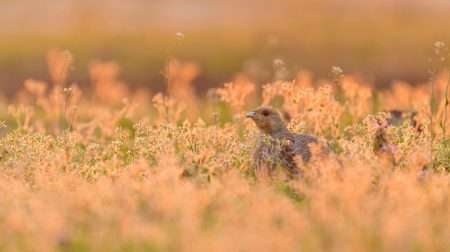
x=278, y=146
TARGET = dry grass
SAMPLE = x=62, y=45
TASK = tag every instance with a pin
x=118, y=170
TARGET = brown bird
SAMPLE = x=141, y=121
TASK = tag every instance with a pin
x=398, y=117
x=277, y=145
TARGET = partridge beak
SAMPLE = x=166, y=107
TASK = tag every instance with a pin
x=251, y=114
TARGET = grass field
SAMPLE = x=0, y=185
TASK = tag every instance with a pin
x=109, y=168
x=380, y=40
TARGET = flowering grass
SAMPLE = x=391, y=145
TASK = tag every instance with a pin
x=112, y=169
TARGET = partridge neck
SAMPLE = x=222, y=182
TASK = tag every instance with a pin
x=280, y=133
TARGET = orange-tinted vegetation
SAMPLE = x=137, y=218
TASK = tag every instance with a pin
x=382, y=40
x=100, y=166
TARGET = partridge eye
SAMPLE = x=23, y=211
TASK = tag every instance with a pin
x=265, y=112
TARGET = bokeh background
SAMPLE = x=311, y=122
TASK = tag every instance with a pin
x=382, y=41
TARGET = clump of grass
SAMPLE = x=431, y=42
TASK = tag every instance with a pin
x=442, y=159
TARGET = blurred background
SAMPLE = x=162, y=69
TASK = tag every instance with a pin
x=382, y=40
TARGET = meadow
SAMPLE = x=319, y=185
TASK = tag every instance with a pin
x=382, y=40
x=102, y=167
